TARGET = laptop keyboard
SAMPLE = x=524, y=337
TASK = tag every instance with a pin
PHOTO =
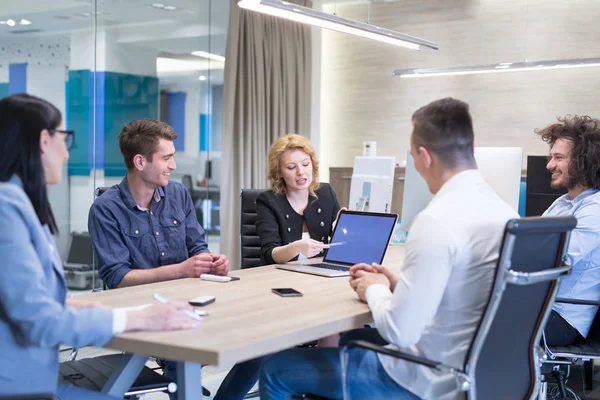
x=333, y=267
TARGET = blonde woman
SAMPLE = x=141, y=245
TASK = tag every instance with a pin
x=296, y=215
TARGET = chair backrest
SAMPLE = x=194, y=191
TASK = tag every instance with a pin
x=502, y=362
x=249, y=240
x=101, y=189
x=186, y=180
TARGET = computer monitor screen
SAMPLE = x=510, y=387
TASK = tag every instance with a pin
x=372, y=184
x=361, y=237
x=500, y=167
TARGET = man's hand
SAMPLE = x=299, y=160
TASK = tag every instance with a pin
x=160, y=317
x=363, y=279
x=197, y=265
x=81, y=304
x=220, y=264
x=375, y=268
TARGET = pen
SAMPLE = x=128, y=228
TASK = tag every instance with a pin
x=164, y=300
x=337, y=244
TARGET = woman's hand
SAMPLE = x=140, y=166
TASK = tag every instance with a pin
x=310, y=247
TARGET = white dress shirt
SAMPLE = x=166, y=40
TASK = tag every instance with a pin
x=451, y=255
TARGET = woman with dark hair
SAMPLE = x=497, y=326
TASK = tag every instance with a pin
x=35, y=314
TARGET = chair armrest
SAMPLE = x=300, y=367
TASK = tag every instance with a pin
x=394, y=353
x=577, y=301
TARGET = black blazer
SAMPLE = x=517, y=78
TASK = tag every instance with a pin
x=279, y=224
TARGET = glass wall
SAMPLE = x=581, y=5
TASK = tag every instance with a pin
x=104, y=63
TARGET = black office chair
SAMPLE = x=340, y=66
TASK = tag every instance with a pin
x=575, y=355
x=503, y=361
x=249, y=240
x=187, y=181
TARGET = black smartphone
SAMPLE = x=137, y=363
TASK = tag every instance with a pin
x=287, y=292
x=202, y=301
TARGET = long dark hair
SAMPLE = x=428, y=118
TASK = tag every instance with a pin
x=22, y=119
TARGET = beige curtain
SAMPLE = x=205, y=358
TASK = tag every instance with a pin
x=267, y=92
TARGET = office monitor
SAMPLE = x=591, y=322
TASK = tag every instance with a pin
x=500, y=167
x=372, y=184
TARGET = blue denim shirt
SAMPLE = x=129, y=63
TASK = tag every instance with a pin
x=126, y=236
x=584, y=256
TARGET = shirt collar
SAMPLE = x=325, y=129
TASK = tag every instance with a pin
x=583, y=195
x=159, y=193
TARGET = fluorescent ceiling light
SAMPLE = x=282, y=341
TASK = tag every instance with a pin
x=306, y=15
x=166, y=65
x=202, y=78
x=24, y=22
x=10, y=22
x=206, y=54
x=498, y=68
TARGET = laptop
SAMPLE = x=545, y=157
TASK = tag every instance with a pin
x=359, y=237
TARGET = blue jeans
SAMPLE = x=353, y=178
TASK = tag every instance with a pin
x=236, y=384
x=318, y=371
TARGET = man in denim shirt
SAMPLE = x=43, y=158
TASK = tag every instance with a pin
x=575, y=165
x=145, y=228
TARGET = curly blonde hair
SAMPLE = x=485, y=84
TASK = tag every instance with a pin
x=289, y=142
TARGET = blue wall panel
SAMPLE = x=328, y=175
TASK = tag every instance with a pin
x=3, y=90
x=176, y=117
x=205, y=132
x=120, y=98
x=17, y=78
x=79, y=118
x=127, y=97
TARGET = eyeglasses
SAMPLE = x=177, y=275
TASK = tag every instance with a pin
x=69, y=136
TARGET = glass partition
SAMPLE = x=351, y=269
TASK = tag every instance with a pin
x=104, y=63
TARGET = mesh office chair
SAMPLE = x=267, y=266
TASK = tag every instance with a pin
x=503, y=361
x=249, y=240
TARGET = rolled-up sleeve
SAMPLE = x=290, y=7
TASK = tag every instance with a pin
x=114, y=259
x=26, y=301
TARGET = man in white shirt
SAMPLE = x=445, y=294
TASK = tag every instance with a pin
x=432, y=308
x=575, y=165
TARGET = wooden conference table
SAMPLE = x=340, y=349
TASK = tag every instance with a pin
x=246, y=321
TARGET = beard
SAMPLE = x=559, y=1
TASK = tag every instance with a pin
x=564, y=181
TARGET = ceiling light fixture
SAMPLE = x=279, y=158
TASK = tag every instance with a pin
x=498, y=68
x=24, y=22
x=202, y=78
x=169, y=8
x=159, y=6
x=208, y=55
x=10, y=22
x=306, y=15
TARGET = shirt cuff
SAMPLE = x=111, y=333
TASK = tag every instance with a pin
x=376, y=293
x=119, y=321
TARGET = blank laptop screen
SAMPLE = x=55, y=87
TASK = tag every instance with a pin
x=363, y=238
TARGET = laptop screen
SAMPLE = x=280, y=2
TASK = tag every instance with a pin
x=362, y=237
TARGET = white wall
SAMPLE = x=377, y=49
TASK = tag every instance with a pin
x=360, y=100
